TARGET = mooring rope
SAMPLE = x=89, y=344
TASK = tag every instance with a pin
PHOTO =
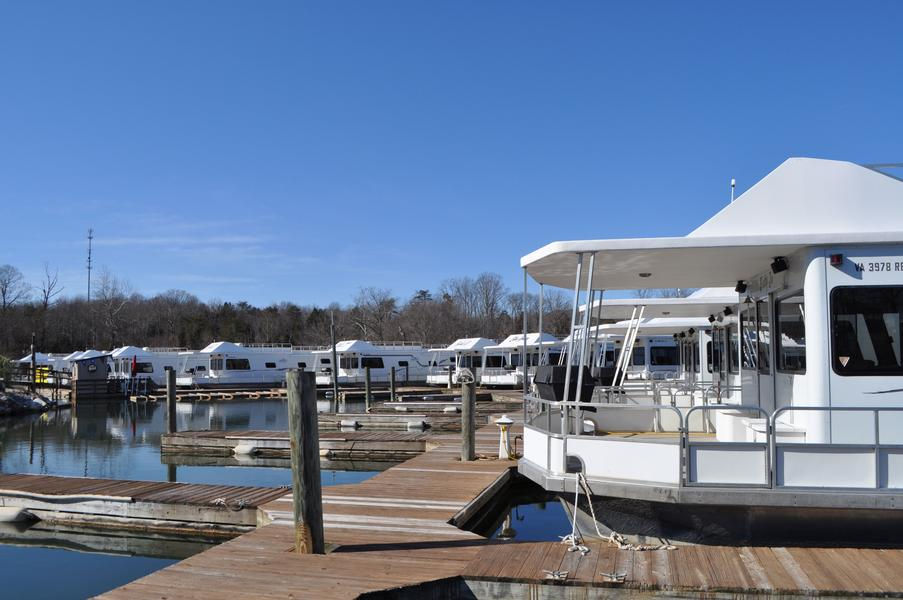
x=235, y=507
x=575, y=539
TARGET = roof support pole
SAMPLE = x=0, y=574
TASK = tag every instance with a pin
x=620, y=359
x=629, y=351
x=598, y=323
x=570, y=359
x=539, y=325
x=578, y=419
x=526, y=369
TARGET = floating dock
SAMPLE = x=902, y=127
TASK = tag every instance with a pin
x=138, y=505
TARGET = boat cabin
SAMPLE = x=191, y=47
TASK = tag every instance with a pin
x=540, y=349
x=410, y=360
x=464, y=353
x=807, y=354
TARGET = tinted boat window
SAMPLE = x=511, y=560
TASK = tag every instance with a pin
x=763, y=337
x=791, y=334
x=663, y=356
x=238, y=364
x=866, y=330
x=374, y=362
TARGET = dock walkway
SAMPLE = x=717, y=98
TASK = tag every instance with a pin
x=395, y=536
x=150, y=505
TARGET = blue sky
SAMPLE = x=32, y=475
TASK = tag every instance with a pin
x=268, y=151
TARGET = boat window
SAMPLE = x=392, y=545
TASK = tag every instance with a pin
x=763, y=337
x=200, y=368
x=270, y=365
x=404, y=363
x=374, y=362
x=710, y=352
x=639, y=357
x=324, y=361
x=238, y=364
x=145, y=367
x=866, y=328
x=791, y=334
x=216, y=364
x=554, y=357
x=696, y=361
x=748, y=337
x=494, y=361
x=348, y=362
x=472, y=362
x=660, y=356
x=302, y=365
x=730, y=349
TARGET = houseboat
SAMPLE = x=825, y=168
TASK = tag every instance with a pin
x=231, y=364
x=805, y=446
x=410, y=360
x=540, y=348
x=464, y=353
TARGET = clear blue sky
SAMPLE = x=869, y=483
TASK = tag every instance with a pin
x=296, y=151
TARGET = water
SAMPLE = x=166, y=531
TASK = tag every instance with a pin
x=119, y=441
x=544, y=521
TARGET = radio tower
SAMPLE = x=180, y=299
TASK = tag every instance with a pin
x=90, y=313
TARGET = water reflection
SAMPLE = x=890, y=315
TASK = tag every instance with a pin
x=122, y=441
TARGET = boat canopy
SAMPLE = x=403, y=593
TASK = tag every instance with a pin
x=516, y=341
x=466, y=344
x=695, y=305
x=655, y=326
x=804, y=202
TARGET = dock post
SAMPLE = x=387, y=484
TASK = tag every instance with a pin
x=392, y=384
x=366, y=389
x=468, y=420
x=305, y=445
x=450, y=376
x=171, y=426
x=34, y=367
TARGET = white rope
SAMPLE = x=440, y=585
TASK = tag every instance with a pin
x=575, y=539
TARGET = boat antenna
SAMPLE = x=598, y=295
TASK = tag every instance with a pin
x=91, y=317
x=733, y=185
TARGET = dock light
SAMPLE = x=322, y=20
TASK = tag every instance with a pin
x=504, y=423
x=778, y=265
x=711, y=318
x=741, y=287
x=728, y=311
x=837, y=260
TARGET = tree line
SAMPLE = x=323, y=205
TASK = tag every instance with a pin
x=116, y=315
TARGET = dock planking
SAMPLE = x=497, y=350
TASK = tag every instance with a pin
x=398, y=531
x=224, y=509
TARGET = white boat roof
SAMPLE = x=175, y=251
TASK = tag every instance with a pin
x=129, y=351
x=39, y=357
x=657, y=326
x=773, y=218
x=517, y=341
x=463, y=344
x=710, y=301
x=80, y=354
x=222, y=347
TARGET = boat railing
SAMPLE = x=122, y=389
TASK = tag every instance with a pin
x=815, y=449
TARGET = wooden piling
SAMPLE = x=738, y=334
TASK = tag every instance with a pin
x=392, y=384
x=34, y=367
x=468, y=420
x=450, y=375
x=367, y=388
x=305, y=455
x=171, y=426
x=335, y=359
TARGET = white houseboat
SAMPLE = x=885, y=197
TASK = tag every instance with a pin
x=464, y=353
x=228, y=364
x=806, y=446
x=410, y=360
x=540, y=348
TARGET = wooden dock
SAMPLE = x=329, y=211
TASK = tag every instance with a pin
x=397, y=535
x=334, y=445
x=143, y=505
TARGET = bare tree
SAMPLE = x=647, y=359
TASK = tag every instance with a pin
x=373, y=310
x=13, y=287
x=644, y=293
x=50, y=287
x=490, y=293
x=112, y=296
x=676, y=292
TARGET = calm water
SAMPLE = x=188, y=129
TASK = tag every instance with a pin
x=544, y=521
x=120, y=441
